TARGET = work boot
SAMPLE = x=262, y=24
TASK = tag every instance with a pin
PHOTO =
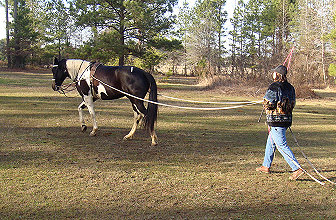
x=296, y=174
x=263, y=169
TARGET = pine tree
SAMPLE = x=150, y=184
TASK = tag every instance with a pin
x=23, y=35
x=205, y=36
x=58, y=24
x=128, y=26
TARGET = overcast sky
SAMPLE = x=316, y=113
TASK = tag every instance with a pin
x=230, y=4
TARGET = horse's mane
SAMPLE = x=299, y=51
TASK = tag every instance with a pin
x=76, y=67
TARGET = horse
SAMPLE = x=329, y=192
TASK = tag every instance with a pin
x=96, y=81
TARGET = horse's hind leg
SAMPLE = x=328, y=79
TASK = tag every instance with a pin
x=141, y=108
x=137, y=118
x=154, y=137
x=81, y=118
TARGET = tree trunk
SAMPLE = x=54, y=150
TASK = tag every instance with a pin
x=59, y=49
x=322, y=48
x=18, y=60
x=219, y=42
x=9, y=61
x=122, y=36
x=15, y=33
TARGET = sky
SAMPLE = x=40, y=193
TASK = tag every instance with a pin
x=230, y=4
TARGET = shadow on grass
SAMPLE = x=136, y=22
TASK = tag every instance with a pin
x=63, y=145
x=325, y=94
x=220, y=210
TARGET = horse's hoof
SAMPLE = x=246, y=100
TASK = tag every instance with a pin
x=154, y=144
x=84, y=127
x=92, y=134
x=127, y=137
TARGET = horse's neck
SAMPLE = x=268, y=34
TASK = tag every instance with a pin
x=76, y=68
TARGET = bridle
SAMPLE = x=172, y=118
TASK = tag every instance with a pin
x=65, y=89
x=62, y=89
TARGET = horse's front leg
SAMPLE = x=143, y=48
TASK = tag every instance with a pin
x=81, y=118
x=89, y=103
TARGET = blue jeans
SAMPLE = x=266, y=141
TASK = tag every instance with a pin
x=277, y=139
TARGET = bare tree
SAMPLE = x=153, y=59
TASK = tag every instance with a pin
x=312, y=25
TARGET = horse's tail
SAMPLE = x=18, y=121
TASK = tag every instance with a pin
x=152, y=109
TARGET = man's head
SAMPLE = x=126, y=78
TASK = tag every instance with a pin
x=280, y=73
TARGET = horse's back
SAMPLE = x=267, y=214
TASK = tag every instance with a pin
x=119, y=71
x=129, y=79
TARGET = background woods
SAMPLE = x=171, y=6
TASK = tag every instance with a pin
x=190, y=39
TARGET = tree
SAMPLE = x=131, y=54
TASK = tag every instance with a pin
x=331, y=37
x=23, y=33
x=58, y=26
x=3, y=46
x=9, y=63
x=204, y=44
x=131, y=23
x=238, y=36
x=183, y=26
x=260, y=35
x=311, y=27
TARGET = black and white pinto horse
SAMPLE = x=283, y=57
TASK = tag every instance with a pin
x=128, y=79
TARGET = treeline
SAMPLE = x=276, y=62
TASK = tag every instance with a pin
x=265, y=30
x=194, y=41
x=114, y=31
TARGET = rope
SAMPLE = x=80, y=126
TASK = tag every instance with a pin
x=201, y=102
x=305, y=171
x=304, y=155
x=289, y=57
x=175, y=106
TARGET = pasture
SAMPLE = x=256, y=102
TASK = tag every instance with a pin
x=203, y=167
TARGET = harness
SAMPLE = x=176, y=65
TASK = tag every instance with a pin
x=93, y=70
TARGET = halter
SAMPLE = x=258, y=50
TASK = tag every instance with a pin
x=65, y=89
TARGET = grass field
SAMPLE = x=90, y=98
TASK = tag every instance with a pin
x=203, y=167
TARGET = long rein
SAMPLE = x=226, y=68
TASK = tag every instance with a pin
x=176, y=106
x=65, y=89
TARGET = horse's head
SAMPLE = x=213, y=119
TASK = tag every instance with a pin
x=60, y=72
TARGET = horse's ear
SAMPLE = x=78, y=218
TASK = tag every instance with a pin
x=56, y=61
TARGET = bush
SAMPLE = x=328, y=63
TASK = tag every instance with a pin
x=332, y=70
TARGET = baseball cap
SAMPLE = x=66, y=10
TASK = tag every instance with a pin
x=280, y=69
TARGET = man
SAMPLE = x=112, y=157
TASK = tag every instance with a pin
x=279, y=102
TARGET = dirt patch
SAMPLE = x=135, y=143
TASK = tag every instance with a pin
x=305, y=92
x=229, y=86
x=252, y=87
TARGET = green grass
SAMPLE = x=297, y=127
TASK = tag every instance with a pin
x=203, y=167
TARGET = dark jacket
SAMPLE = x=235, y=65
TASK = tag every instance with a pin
x=279, y=102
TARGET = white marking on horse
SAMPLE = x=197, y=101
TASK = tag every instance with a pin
x=78, y=69
x=140, y=113
x=131, y=68
x=101, y=89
